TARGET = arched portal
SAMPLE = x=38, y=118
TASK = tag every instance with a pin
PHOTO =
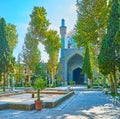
x=74, y=69
x=78, y=77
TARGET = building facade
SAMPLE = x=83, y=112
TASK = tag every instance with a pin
x=71, y=58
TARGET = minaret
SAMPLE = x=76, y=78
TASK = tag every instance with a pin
x=63, y=33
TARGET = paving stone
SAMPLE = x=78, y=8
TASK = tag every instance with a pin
x=83, y=105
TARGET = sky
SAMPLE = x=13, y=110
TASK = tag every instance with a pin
x=18, y=13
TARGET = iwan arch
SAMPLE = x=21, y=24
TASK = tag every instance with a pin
x=71, y=58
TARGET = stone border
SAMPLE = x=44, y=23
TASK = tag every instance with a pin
x=4, y=106
x=11, y=93
x=52, y=104
x=21, y=106
x=57, y=101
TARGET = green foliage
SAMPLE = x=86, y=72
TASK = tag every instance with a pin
x=117, y=37
x=39, y=23
x=8, y=40
x=39, y=29
x=108, y=57
x=52, y=43
x=11, y=35
x=4, y=48
x=88, y=86
x=96, y=13
x=41, y=70
x=31, y=52
x=87, y=65
x=39, y=85
x=109, y=44
x=90, y=30
x=103, y=58
x=52, y=46
x=112, y=29
x=27, y=84
x=72, y=82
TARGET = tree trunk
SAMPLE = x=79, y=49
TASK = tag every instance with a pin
x=38, y=94
x=111, y=84
x=4, y=78
x=52, y=80
x=92, y=82
x=115, y=87
x=29, y=80
x=115, y=81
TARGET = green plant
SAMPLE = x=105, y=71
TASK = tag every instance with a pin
x=39, y=85
x=72, y=82
x=27, y=84
x=88, y=86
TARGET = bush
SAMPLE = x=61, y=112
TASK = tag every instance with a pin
x=88, y=86
x=27, y=84
x=72, y=82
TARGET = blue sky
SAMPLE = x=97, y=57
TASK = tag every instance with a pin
x=17, y=12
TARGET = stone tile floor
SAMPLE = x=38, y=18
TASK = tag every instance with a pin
x=83, y=105
x=26, y=98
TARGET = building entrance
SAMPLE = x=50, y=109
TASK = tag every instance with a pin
x=78, y=77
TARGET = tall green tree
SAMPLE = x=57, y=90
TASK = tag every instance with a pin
x=103, y=61
x=91, y=26
x=12, y=38
x=31, y=53
x=8, y=39
x=52, y=46
x=87, y=68
x=4, y=51
x=118, y=44
x=92, y=21
x=112, y=44
x=112, y=28
x=103, y=57
x=39, y=23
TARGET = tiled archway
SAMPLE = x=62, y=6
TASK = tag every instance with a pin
x=74, y=62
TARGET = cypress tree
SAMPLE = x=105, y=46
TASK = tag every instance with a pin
x=86, y=68
x=113, y=27
x=103, y=57
x=108, y=53
x=4, y=51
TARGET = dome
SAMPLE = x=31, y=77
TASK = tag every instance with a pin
x=70, y=41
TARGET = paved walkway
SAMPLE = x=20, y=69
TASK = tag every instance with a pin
x=83, y=105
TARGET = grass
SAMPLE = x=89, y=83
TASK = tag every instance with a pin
x=1, y=90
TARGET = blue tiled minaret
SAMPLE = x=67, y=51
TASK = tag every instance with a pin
x=63, y=33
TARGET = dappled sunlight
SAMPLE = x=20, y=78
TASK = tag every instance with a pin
x=99, y=111
x=82, y=105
